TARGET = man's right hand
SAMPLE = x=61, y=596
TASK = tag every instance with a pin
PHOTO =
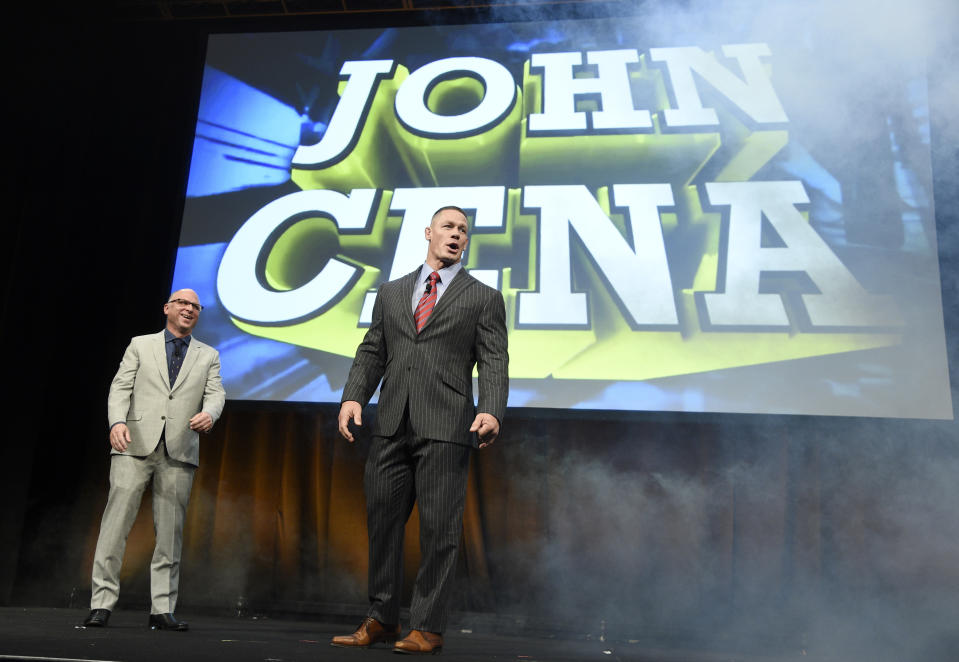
x=350, y=409
x=120, y=437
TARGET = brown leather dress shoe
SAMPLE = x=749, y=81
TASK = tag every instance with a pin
x=370, y=632
x=420, y=642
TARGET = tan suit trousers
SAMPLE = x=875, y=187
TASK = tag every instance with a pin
x=129, y=476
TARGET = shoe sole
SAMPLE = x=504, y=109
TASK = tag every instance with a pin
x=386, y=642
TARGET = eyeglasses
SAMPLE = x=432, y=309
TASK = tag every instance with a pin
x=183, y=302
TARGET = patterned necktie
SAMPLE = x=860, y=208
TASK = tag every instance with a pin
x=428, y=300
x=179, y=344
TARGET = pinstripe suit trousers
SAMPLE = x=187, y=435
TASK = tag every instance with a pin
x=401, y=469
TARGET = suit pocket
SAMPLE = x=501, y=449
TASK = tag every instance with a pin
x=133, y=418
x=458, y=385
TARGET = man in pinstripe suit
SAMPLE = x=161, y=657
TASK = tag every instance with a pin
x=428, y=330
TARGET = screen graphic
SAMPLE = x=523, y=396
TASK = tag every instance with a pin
x=677, y=221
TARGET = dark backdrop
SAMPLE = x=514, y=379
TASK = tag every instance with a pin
x=837, y=533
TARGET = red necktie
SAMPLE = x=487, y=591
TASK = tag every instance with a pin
x=427, y=301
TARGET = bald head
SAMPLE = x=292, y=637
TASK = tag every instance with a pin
x=182, y=312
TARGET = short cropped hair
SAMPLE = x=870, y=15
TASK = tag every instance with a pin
x=454, y=208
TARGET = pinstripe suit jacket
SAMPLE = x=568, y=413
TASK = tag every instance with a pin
x=432, y=371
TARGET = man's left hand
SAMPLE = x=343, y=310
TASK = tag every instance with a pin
x=486, y=426
x=202, y=422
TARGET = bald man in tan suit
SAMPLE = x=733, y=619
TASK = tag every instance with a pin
x=166, y=391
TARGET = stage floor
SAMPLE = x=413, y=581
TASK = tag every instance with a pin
x=48, y=634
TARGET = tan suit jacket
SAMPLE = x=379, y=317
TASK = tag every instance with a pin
x=141, y=396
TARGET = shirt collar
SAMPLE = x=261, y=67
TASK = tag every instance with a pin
x=169, y=337
x=447, y=274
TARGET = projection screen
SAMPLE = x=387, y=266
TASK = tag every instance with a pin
x=679, y=219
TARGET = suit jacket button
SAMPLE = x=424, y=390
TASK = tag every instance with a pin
x=171, y=397
x=163, y=418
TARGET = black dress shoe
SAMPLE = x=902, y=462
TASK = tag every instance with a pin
x=167, y=622
x=97, y=619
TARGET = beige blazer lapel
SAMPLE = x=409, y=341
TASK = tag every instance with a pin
x=192, y=352
x=159, y=355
